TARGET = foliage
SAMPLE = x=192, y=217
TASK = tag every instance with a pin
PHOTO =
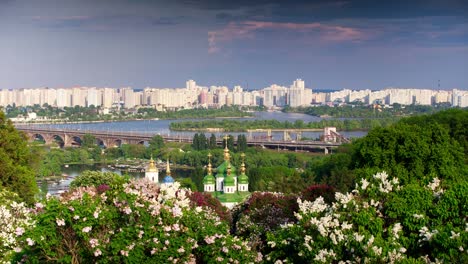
x=241, y=143
x=231, y=125
x=261, y=213
x=454, y=120
x=15, y=173
x=155, y=145
x=378, y=222
x=277, y=179
x=15, y=218
x=413, y=152
x=96, y=179
x=136, y=222
x=319, y=190
x=362, y=111
x=199, y=142
x=88, y=141
x=207, y=200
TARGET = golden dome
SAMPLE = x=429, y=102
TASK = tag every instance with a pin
x=152, y=165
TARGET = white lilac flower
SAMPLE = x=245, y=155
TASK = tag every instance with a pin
x=324, y=254
x=418, y=216
x=454, y=235
x=396, y=228
x=97, y=252
x=364, y=183
x=60, y=222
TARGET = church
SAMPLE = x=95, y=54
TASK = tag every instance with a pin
x=227, y=186
x=152, y=173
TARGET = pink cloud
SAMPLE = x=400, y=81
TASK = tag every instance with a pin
x=247, y=30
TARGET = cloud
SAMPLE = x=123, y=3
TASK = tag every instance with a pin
x=247, y=30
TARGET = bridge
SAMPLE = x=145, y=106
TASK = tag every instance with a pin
x=107, y=139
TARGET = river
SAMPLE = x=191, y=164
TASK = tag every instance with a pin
x=161, y=127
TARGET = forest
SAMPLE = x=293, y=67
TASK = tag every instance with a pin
x=397, y=195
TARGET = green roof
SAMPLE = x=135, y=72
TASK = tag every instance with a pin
x=221, y=170
x=229, y=181
x=209, y=179
x=243, y=179
x=236, y=197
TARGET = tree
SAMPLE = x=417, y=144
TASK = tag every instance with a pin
x=155, y=145
x=241, y=143
x=15, y=173
x=88, y=141
x=212, y=144
x=96, y=179
x=202, y=142
x=195, y=142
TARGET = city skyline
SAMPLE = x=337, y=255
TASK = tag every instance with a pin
x=332, y=45
x=193, y=96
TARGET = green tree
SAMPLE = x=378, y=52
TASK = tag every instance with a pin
x=15, y=173
x=195, y=142
x=212, y=144
x=96, y=178
x=155, y=145
x=241, y=143
x=202, y=142
x=88, y=141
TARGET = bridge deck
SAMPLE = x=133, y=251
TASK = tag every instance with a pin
x=146, y=136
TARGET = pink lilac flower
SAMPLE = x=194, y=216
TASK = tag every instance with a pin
x=176, y=211
x=209, y=240
x=127, y=210
x=39, y=206
x=97, y=252
x=181, y=250
x=124, y=253
x=19, y=231
x=86, y=229
x=94, y=242
x=30, y=241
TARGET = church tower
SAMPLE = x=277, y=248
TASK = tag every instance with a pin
x=209, y=179
x=168, y=180
x=152, y=172
x=243, y=180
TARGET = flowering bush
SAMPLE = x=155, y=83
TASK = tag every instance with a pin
x=137, y=222
x=15, y=219
x=378, y=223
x=207, y=200
x=261, y=213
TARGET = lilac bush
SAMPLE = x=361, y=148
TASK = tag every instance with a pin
x=137, y=222
x=378, y=222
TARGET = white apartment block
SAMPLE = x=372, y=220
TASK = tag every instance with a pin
x=194, y=95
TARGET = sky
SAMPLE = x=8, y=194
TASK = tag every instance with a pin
x=330, y=44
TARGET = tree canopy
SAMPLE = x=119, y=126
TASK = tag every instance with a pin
x=15, y=173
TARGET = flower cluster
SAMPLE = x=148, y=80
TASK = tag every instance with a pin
x=374, y=223
x=136, y=222
x=15, y=219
